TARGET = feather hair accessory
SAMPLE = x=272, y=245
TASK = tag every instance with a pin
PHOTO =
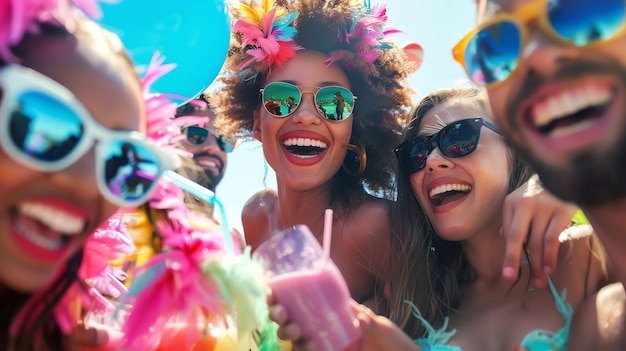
x=365, y=38
x=18, y=17
x=267, y=35
x=197, y=278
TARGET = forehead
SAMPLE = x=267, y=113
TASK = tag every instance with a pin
x=308, y=69
x=452, y=111
x=103, y=82
x=489, y=8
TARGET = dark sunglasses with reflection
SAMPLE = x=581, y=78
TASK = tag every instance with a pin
x=455, y=140
x=198, y=136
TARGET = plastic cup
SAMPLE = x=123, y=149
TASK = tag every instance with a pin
x=112, y=322
x=311, y=288
x=215, y=336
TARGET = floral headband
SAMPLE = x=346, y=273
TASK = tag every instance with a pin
x=18, y=17
x=269, y=38
x=267, y=35
x=365, y=38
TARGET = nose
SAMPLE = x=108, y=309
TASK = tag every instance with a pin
x=210, y=145
x=79, y=178
x=307, y=113
x=542, y=56
x=436, y=161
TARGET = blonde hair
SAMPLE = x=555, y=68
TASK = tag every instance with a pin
x=425, y=269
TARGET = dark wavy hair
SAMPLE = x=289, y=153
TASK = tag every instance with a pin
x=378, y=114
x=40, y=324
x=425, y=269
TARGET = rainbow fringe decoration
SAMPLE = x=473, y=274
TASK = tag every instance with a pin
x=198, y=278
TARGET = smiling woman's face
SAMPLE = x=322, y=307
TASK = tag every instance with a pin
x=46, y=217
x=305, y=149
x=462, y=196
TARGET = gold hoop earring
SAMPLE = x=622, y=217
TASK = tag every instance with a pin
x=356, y=159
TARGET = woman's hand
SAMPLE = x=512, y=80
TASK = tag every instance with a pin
x=535, y=216
x=379, y=333
x=83, y=337
x=287, y=330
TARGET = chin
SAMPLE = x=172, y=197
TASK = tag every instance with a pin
x=589, y=179
x=26, y=282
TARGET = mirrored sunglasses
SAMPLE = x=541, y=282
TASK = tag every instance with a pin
x=334, y=103
x=491, y=53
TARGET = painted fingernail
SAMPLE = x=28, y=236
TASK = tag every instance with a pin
x=508, y=272
x=547, y=270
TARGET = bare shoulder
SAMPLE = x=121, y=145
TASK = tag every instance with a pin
x=255, y=217
x=580, y=268
x=368, y=228
x=598, y=323
x=371, y=219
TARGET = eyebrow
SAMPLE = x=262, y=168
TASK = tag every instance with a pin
x=320, y=84
x=430, y=129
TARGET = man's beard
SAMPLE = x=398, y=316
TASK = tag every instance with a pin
x=211, y=179
x=589, y=179
x=208, y=179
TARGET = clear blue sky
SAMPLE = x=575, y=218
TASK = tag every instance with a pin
x=436, y=25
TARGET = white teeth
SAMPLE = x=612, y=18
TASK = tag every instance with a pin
x=449, y=187
x=571, y=129
x=47, y=243
x=208, y=163
x=305, y=142
x=54, y=218
x=569, y=102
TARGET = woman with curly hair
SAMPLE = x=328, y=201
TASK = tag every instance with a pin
x=312, y=50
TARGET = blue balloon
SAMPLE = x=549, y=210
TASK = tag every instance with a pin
x=194, y=34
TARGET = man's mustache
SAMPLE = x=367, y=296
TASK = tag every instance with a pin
x=217, y=159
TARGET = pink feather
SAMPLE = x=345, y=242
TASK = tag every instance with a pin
x=18, y=17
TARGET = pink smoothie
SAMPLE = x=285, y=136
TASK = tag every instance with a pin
x=319, y=301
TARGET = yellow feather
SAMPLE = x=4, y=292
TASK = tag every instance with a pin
x=268, y=5
x=280, y=12
x=249, y=14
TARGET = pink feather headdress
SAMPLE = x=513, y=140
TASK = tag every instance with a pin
x=18, y=17
x=267, y=35
x=365, y=38
x=197, y=277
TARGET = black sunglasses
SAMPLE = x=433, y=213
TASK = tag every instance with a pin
x=196, y=135
x=455, y=140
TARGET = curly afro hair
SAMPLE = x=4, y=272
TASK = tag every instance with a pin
x=384, y=100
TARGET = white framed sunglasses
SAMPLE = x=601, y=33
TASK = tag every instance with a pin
x=45, y=127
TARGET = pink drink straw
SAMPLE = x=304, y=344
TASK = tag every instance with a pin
x=328, y=231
